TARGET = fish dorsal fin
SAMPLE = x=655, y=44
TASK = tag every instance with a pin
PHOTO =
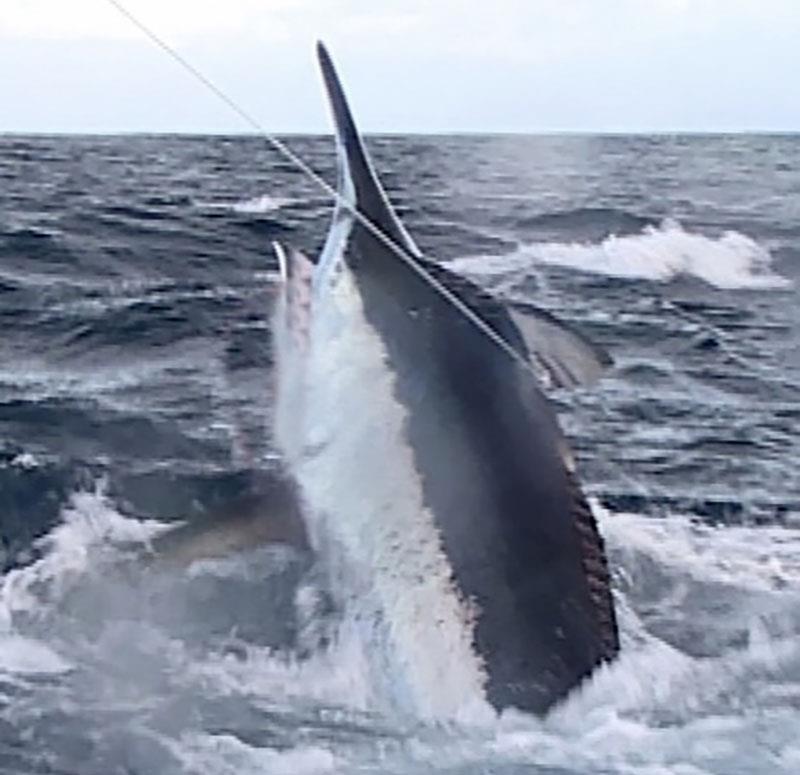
x=567, y=357
x=358, y=183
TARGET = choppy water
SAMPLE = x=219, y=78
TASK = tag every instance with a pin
x=135, y=285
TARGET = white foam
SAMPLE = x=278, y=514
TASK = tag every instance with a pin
x=225, y=753
x=25, y=460
x=759, y=558
x=732, y=260
x=332, y=677
x=68, y=550
x=262, y=204
x=649, y=713
x=655, y=711
x=26, y=656
x=257, y=205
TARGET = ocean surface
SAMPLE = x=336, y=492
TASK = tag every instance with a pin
x=136, y=281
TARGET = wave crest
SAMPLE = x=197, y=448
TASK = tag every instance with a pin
x=730, y=261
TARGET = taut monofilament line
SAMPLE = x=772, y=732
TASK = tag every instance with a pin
x=304, y=167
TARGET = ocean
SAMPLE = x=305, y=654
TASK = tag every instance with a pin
x=136, y=281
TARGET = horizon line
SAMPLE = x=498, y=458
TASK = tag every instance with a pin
x=763, y=132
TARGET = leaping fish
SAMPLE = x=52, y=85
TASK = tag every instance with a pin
x=437, y=485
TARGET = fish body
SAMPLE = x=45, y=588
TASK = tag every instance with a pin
x=437, y=486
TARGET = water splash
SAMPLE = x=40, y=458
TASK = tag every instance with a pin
x=212, y=705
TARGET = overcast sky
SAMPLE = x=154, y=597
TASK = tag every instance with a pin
x=408, y=65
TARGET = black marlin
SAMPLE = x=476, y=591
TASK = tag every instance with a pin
x=438, y=488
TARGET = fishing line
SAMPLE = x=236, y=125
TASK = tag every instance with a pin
x=301, y=165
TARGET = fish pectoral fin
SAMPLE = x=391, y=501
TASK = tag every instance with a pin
x=359, y=187
x=567, y=357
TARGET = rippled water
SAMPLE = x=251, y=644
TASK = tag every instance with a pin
x=135, y=285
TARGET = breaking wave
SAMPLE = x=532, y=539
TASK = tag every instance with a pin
x=730, y=261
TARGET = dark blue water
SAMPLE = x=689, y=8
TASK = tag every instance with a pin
x=136, y=279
